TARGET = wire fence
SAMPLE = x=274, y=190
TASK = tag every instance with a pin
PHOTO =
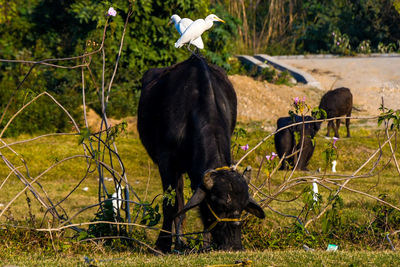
x=100, y=153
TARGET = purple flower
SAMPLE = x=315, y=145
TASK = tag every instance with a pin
x=111, y=12
x=338, y=43
x=334, y=141
x=333, y=33
x=304, y=99
x=268, y=157
x=246, y=147
x=296, y=100
x=273, y=155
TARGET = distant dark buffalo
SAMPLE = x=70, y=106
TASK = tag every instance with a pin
x=186, y=116
x=285, y=141
x=336, y=103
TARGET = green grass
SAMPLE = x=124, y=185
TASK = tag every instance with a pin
x=359, y=228
x=265, y=258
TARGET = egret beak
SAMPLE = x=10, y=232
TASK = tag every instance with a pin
x=221, y=20
x=170, y=22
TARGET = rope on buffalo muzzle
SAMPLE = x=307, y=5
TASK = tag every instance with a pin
x=218, y=219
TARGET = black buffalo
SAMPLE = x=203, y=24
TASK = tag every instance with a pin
x=336, y=103
x=285, y=141
x=186, y=116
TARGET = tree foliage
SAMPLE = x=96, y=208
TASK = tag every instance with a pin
x=43, y=29
x=294, y=26
x=396, y=5
x=40, y=29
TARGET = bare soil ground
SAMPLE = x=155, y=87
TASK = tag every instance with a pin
x=263, y=101
x=368, y=78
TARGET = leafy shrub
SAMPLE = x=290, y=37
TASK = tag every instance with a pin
x=220, y=40
x=105, y=213
x=268, y=74
x=341, y=43
x=236, y=66
x=284, y=78
x=389, y=48
x=364, y=47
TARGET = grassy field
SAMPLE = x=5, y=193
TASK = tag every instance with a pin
x=357, y=223
x=216, y=259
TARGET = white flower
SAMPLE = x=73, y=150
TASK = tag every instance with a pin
x=111, y=12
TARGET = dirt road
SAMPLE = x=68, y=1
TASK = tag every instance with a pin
x=368, y=79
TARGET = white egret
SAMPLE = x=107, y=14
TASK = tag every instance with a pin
x=181, y=25
x=315, y=190
x=334, y=166
x=196, y=29
x=117, y=199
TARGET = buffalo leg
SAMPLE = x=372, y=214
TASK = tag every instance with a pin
x=348, y=124
x=330, y=125
x=308, y=150
x=207, y=219
x=170, y=180
x=284, y=145
x=179, y=200
x=295, y=157
x=337, y=128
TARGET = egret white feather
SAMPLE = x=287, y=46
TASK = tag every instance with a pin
x=181, y=25
x=117, y=199
x=196, y=29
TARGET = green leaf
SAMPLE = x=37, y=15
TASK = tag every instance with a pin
x=84, y=134
x=82, y=235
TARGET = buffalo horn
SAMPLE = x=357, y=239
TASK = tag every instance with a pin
x=195, y=200
x=247, y=174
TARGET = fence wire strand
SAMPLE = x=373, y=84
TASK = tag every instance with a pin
x=100, y=153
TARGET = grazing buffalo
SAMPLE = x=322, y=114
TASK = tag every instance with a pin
x=336, y=103
x=186, y=117
x=285, y=141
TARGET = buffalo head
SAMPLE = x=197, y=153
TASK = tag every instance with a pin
x=310, y=129
x=222, y=197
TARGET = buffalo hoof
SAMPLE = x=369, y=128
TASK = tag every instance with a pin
x=156, y=251
x=163, y=246
x=180, y=245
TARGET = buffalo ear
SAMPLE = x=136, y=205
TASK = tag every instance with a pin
x=194, y=201
x=208, y=181
x=255, y=209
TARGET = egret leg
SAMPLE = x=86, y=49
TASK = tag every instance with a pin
x=188, y=48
